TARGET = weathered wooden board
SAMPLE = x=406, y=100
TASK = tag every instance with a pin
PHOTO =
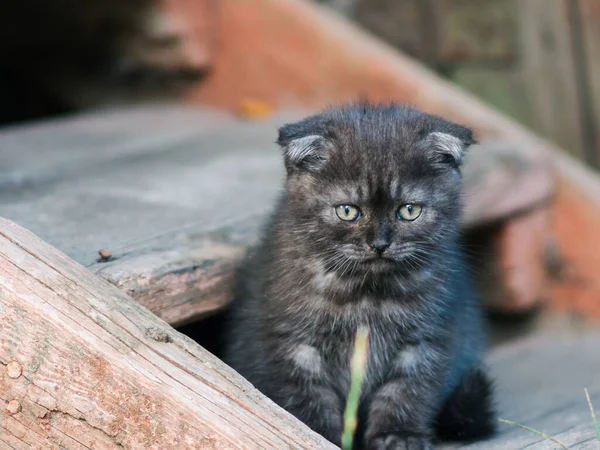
x=173, y=194
x=590, y=30
x=440, y=31
x=83, y=366
x=176, y=195
x=540, y=384
x=549, y=71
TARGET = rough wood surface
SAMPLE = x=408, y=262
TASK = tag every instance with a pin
x=176, y=194
x=540, y=384
x=84, y=366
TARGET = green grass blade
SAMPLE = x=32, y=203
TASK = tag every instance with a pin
x=358, y=365
x=593, y=413
x=539, y=433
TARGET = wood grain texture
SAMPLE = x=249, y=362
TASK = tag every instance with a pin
x=549, y=71
x=100, y=371
x=540, y=384
x=176, y=195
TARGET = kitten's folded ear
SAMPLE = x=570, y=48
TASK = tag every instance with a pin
x=302, y=151
x=449, y=143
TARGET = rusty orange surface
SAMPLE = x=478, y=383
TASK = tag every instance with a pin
x=193, y=23
x=294, y=53
x=280, y=53
x=576, y=223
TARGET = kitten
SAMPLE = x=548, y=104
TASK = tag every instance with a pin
x=367, y=232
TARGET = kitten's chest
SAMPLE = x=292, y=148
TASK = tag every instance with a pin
x=324, y=345
x=387, y=348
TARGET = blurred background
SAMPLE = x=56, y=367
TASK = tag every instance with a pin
x=524, y=74
x=536, y=61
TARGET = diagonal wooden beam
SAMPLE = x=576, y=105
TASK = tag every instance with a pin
x=85, y=366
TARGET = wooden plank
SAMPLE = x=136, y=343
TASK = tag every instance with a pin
x=177, y=194
x=85, y=366
x=173, y=199
x=480, y=32
x=440, y=32
x=398, y=23
x=501, y=87
x=549, y=72
x=590, y=17
x=540, y=384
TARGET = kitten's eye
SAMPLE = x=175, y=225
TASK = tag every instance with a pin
x=409, y=212
x=347, y=212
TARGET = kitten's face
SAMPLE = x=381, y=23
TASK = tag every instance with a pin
x=376, y=202
x=376, y=220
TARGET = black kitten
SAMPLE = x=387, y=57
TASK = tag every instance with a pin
x=367, y=233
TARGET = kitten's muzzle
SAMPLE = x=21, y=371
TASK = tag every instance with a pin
x=380, y=245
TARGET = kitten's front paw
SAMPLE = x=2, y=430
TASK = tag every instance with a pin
x=396, y=442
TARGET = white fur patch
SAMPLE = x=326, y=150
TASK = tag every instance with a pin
x=322, y=279
x=301, y=148
x=389, y=390
x=447, y=143
x=307, y=358
x=410, y=358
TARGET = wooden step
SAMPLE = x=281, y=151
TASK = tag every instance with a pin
x=540, y=384
x=175, y=195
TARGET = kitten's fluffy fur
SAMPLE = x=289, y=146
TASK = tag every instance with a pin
x=315, y=278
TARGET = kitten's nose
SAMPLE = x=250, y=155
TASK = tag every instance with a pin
x=380, y=245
